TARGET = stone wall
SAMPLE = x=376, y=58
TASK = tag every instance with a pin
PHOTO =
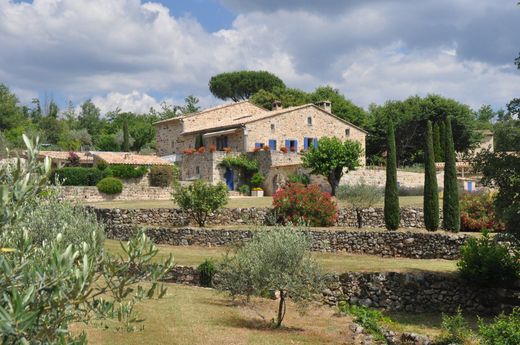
x=410, y=292
x=377, y=177
x=418, y=293
x=130, y=192
x=418, y=245
x=411, y=217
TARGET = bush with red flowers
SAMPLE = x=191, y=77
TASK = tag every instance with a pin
x=477, y=213
x=297, y=204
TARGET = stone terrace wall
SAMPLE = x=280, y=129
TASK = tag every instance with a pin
x=136, y=191
x=410, y=292
x=419, y=245
x=373, y=217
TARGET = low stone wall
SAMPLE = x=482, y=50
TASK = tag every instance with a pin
x=136, y=191
x=418, y=293
x=418, y=245
x=410, y=292
x=373, y=217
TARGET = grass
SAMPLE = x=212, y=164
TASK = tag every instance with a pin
x=193, y=315
x=332, y=262
x=236, y=202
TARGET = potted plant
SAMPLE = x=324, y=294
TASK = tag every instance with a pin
x=283, y=149
x=201, y=149
x=257, y=191
x=212, y=148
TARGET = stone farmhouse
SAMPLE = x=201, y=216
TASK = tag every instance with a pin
x=276, y=138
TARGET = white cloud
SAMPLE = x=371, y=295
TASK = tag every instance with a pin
x=125, y=52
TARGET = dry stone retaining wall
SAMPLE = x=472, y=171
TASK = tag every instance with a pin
x=410, y=292
x=411, y=217
x=419, y=245
x=131, y=191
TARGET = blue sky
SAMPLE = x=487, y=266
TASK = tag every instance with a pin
x=134, y=55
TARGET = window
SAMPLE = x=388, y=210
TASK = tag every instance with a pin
x=222, y=142
x=310, y=142
x=259, y=145
x=291, y=145
x=272, y=126
x=272, y=144
x=309, y=121
x=347, y=132
x=197, y=170
x=173, y=144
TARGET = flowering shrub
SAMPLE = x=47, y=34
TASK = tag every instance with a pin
x=296, y=203
x=477, y=213
x=283, y=149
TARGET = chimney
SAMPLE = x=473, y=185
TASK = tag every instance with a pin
x=325, y=105
x=277, y=105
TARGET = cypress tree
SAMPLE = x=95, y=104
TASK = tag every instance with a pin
x=391, y=209
x=450, y=204
x=431, y=196
x=442, y=136
x=437, y=143
x=126, y=135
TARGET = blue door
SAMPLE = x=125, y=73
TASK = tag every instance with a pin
x=228, y=175
x=470, y=186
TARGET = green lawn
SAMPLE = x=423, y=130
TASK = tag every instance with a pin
x=332, y=262
x=234, y=202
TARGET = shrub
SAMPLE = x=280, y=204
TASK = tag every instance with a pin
x=163, y=175
x=477, y=213
x=360, y=196
x=200, y=199
x=296, y=203
x=369, y=319
x=455, y=330
x=110, y=185
x=505, y=330
x=411, y=191
x=273, y=261
x=485, y=262
x=299, y=178
x=77, y=176
x=206, y=272
x=125, y=171
x=73, y=160
x=244, y=189
x=257, y=180
x=450, y=200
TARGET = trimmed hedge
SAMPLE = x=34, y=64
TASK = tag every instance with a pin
x=162, y=175
x=77, y=176
x=124, y=171
x=110, y=185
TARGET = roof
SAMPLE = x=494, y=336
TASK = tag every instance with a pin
x=240, y=120
x=64, y=155
x=129, y=158
x=247, y=104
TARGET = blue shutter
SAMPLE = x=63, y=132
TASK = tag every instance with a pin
x=272, y=144
x=296, y=145
x=315, y=142
x=288, y=144
x=257, y=145
x=305, y=143
x=225, y=142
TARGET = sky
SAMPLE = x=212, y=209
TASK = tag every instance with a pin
x=133, y=55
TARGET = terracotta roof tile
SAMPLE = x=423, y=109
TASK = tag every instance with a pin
x=64, y=155
x=129, y=158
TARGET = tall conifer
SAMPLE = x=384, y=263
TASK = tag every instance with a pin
x=431, y=196
x=450, y=204
x=437, y=148
x=391, y=209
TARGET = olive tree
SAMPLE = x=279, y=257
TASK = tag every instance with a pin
x=50, y=280
x=360, y=196
x=200, y=199
x=275, y=261
x=331, y=158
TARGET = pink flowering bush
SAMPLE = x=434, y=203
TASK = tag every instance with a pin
x=297, y=203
